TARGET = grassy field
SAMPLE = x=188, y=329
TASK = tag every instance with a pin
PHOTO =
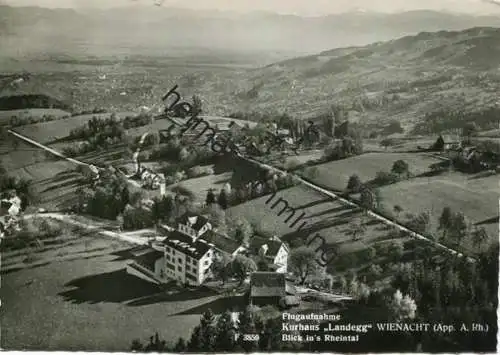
x=335, y=174
x=55, y=181
x=45, y=132
x=200, y=185
x=476, y=197
x=323, y=215
x=76, y=295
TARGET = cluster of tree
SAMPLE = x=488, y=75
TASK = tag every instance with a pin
x=170, y=207
x=455, y=291
x=400, y=169
x=185, y=156
x=250, y=190
x=31, y=234
x=23, y=188
x=105, y=127
x=446, y=120
x=95, y=111
x=240, y=267
x=98, y=134
x=16, y=121
x=223, y=334
x=446, y=290
x=351, y=144
x=20, y=102
x=455, y=228
x=107, y=199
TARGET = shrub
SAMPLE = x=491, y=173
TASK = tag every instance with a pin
x=385, y=178
x=197, y=171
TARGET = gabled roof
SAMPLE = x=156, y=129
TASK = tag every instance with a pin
x=185, y=244
x=265, y=284
x=194, y=220
x=256, y=242
x=221, y=242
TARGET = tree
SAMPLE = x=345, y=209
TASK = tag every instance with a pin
x=355, y=230
x=225, y=332
x=396, y=250
x=197, y=105
x=217, y=216
x=210, y=197
x=246, y=325
x=208, y=331
x=195, y=344
x=419, y=223
x=459, y=227
x=242, y=266
x=354, y=184
x=136, y=346
x=469, y=130
x=221, y=268
x=387, y=142
x=402, y=307
x=180, y=346
x=400, y=167
x=302, y=262
x=222, y=200
x=243, y=230
x=445, y=221
x=397, y=210
x=479, y=236
x=183, y=154
x=367, y=199
x=271, y=337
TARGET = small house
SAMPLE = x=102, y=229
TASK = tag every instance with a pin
x=267, y=288
x=272, y=250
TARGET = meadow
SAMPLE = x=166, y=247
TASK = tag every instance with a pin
x=324, y=216
x=477, y=197
x=46, y=132
x=335, y=174
x=75, y=294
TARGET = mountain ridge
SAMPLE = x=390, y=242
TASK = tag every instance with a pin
x=160, y=28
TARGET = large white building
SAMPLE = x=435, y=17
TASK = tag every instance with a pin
x=185, y=255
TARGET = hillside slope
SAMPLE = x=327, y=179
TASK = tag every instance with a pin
x=400, y=79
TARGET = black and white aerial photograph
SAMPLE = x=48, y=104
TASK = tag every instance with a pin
x=249, y=176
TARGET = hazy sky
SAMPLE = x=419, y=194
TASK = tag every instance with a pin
x=299, y=7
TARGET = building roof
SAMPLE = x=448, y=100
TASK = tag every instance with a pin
x=450, y=139
x=221, y=242
x=193, y=220
x=265, y=284
x=185, y=244
x=149, y=258
x=257, y=242
x=140, y=250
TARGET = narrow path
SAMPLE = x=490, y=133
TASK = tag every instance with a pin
x=44, y=147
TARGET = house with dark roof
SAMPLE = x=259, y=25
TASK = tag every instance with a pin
x=267, y=288
x=186, y=253
x=272, y=250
